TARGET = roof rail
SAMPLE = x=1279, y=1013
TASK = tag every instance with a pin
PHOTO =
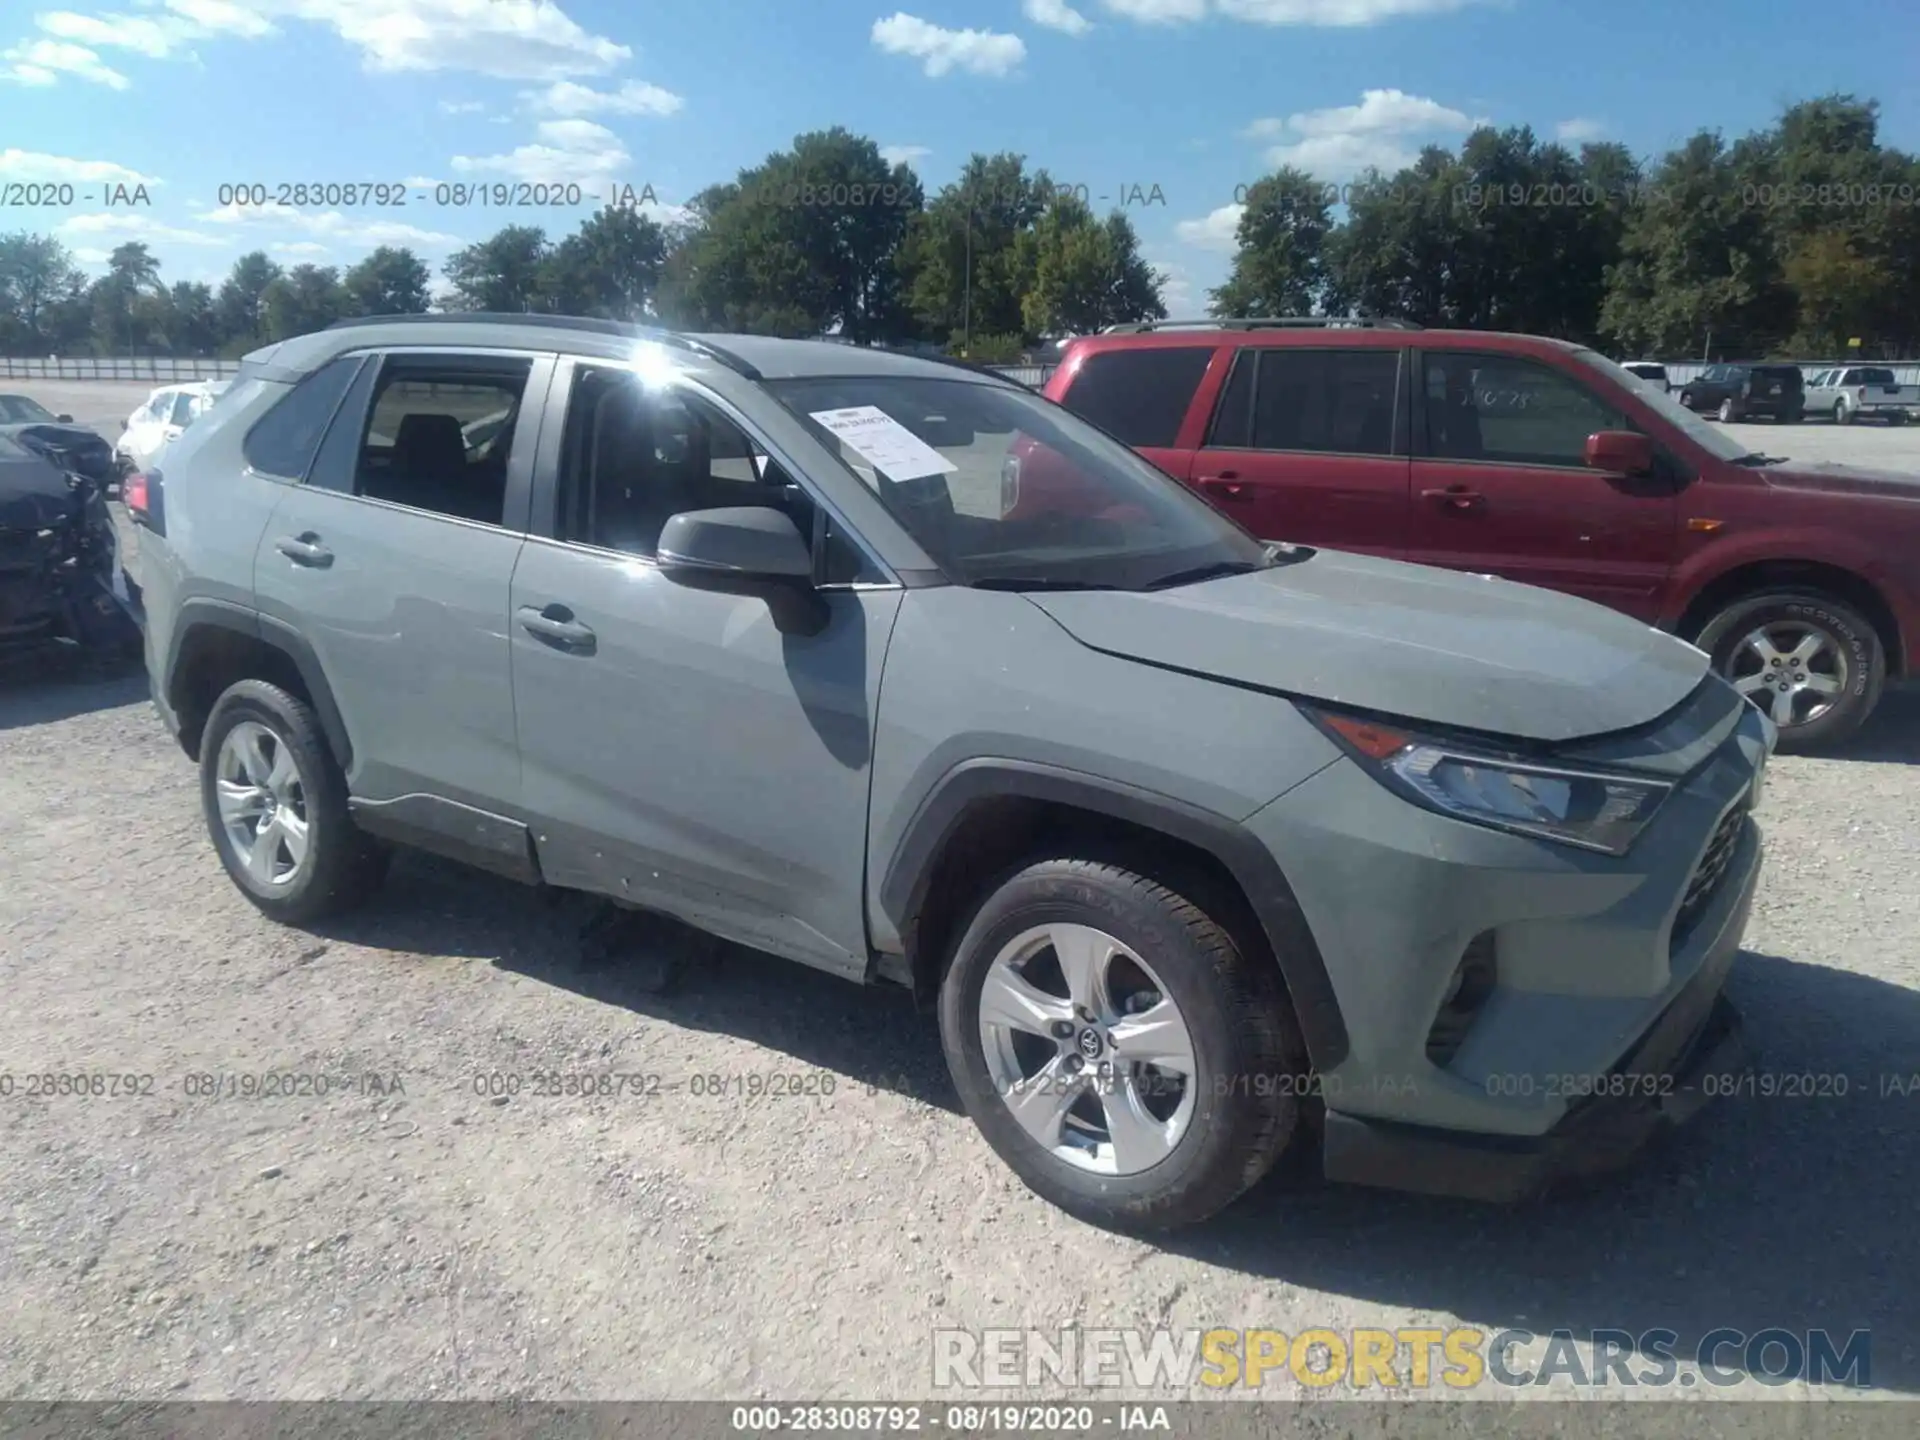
x=938, y=359
x=564, y=322
x=1266, y=322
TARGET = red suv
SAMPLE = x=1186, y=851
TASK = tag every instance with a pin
x=1532, y=459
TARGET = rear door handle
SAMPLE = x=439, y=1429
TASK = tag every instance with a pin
x=1456, y=497
x=305, y=549
x=1227, y=485
x=556, y=626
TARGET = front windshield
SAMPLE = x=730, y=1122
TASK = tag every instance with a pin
x=19, y=410
x=1709, y=437
x=1004, y=488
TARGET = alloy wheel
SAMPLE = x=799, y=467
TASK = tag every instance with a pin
x=262, y=798
x=1087, y=1049
x=1793, y=671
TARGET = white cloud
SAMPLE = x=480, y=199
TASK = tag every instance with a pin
x=35, y=165
x=942, y=51
x=1056, y=15
x=1332, y=12
x=327, y=225
x=309, y=249
x=564, y=152
x=86, y=255
x=509, y=39
x=420, y=182
x=1280, y=12
x=134, y=227
x=1176, y=288
x=43, y=62
x=462, y=107
x=1216, y=230
x=634, y=97
x=903, y=154
x=1159, y=12
x=1577, y=131
x=1385, y=130
x=154, y=37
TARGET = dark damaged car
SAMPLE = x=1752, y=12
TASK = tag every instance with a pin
x=61, y=580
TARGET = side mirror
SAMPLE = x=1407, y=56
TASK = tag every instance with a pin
x=64, y=419
x=123, y=427
x=1620, y=452
x=741, y=543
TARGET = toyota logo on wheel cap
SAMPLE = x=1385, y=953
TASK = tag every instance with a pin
x=1089, y=1043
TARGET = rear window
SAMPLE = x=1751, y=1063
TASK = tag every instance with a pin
x=1139, y=396
x=1788, y=373
x=1873, y=375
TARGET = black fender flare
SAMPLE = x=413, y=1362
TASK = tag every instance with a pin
x=200, y=613
x=903, y=887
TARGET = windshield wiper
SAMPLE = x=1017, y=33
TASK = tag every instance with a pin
x=1034, y=582
x=1753, y=458
x=1218, y=570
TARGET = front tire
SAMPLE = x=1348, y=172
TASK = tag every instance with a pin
x=1686, y=399
x=1842, y=413
x=1814, y=665
x=276, y=807
x=1117, y=1047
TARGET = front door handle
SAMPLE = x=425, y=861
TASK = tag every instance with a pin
x=1227, y=485
x=555, y=625
x=1457, y=498
x=305, y=549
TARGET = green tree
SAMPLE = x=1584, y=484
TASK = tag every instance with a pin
x=241, y=302
x=1280, y=267
x=1084, y=274
x=35, y=270
x=505, y=273
x=193, y=323
x=806, y=242
x=119, y=322
x=609, y=267
x=962, y=255
x=391, y=280
x=305, y=299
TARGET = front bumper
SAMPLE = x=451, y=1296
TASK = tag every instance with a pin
x=1687, y=1058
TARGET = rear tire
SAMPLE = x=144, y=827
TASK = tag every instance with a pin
x=1727, y=413
x=1842, y=649
x=276, y=808
x=1161, y=1146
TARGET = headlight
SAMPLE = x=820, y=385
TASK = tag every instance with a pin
x=1591, y=809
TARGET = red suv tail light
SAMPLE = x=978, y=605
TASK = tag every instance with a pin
x=142, y=491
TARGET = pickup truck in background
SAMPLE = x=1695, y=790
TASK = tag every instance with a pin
x=1850, y=391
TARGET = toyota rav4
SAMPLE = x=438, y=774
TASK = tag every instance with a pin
x=1203, y=848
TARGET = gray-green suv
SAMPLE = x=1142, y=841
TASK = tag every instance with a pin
x=1205, y=847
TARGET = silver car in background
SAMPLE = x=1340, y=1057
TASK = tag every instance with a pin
x=1848, y=391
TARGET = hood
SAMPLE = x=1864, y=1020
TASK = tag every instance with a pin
x=1832, y=479
x=34, y=492
x=1464, y=651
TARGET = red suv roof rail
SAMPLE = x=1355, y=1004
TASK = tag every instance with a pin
x=1303, y=322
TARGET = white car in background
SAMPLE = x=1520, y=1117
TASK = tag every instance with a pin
x=1651, y=372
x=167, y=411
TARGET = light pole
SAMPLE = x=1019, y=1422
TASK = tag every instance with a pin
x=966, y=312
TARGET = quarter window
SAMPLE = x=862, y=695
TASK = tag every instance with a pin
x=1140, y=395
x=284, y=440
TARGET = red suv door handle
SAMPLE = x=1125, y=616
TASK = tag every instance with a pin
x=1456, y=497
x=1227, y=485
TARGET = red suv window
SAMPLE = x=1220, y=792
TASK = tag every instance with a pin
x=1139, y=395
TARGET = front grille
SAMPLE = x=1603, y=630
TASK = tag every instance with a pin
x=1709, y=874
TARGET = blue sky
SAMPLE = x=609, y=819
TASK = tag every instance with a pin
x=1194, y=97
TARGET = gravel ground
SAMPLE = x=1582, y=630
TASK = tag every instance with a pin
x=442, y=1243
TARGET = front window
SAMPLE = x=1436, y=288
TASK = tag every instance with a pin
x=1711, y=438
x=19, y=410
x=1007, y=490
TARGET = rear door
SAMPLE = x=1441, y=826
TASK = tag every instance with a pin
x=1141, y=394
x=1310, y=445
x=391, y=554
x=1501, y=485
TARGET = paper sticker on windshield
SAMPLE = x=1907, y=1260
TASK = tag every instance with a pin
x=885, y=443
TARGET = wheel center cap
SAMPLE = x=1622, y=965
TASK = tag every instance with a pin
x=1090, y=1043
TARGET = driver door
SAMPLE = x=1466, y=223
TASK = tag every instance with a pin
x=688, y=749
